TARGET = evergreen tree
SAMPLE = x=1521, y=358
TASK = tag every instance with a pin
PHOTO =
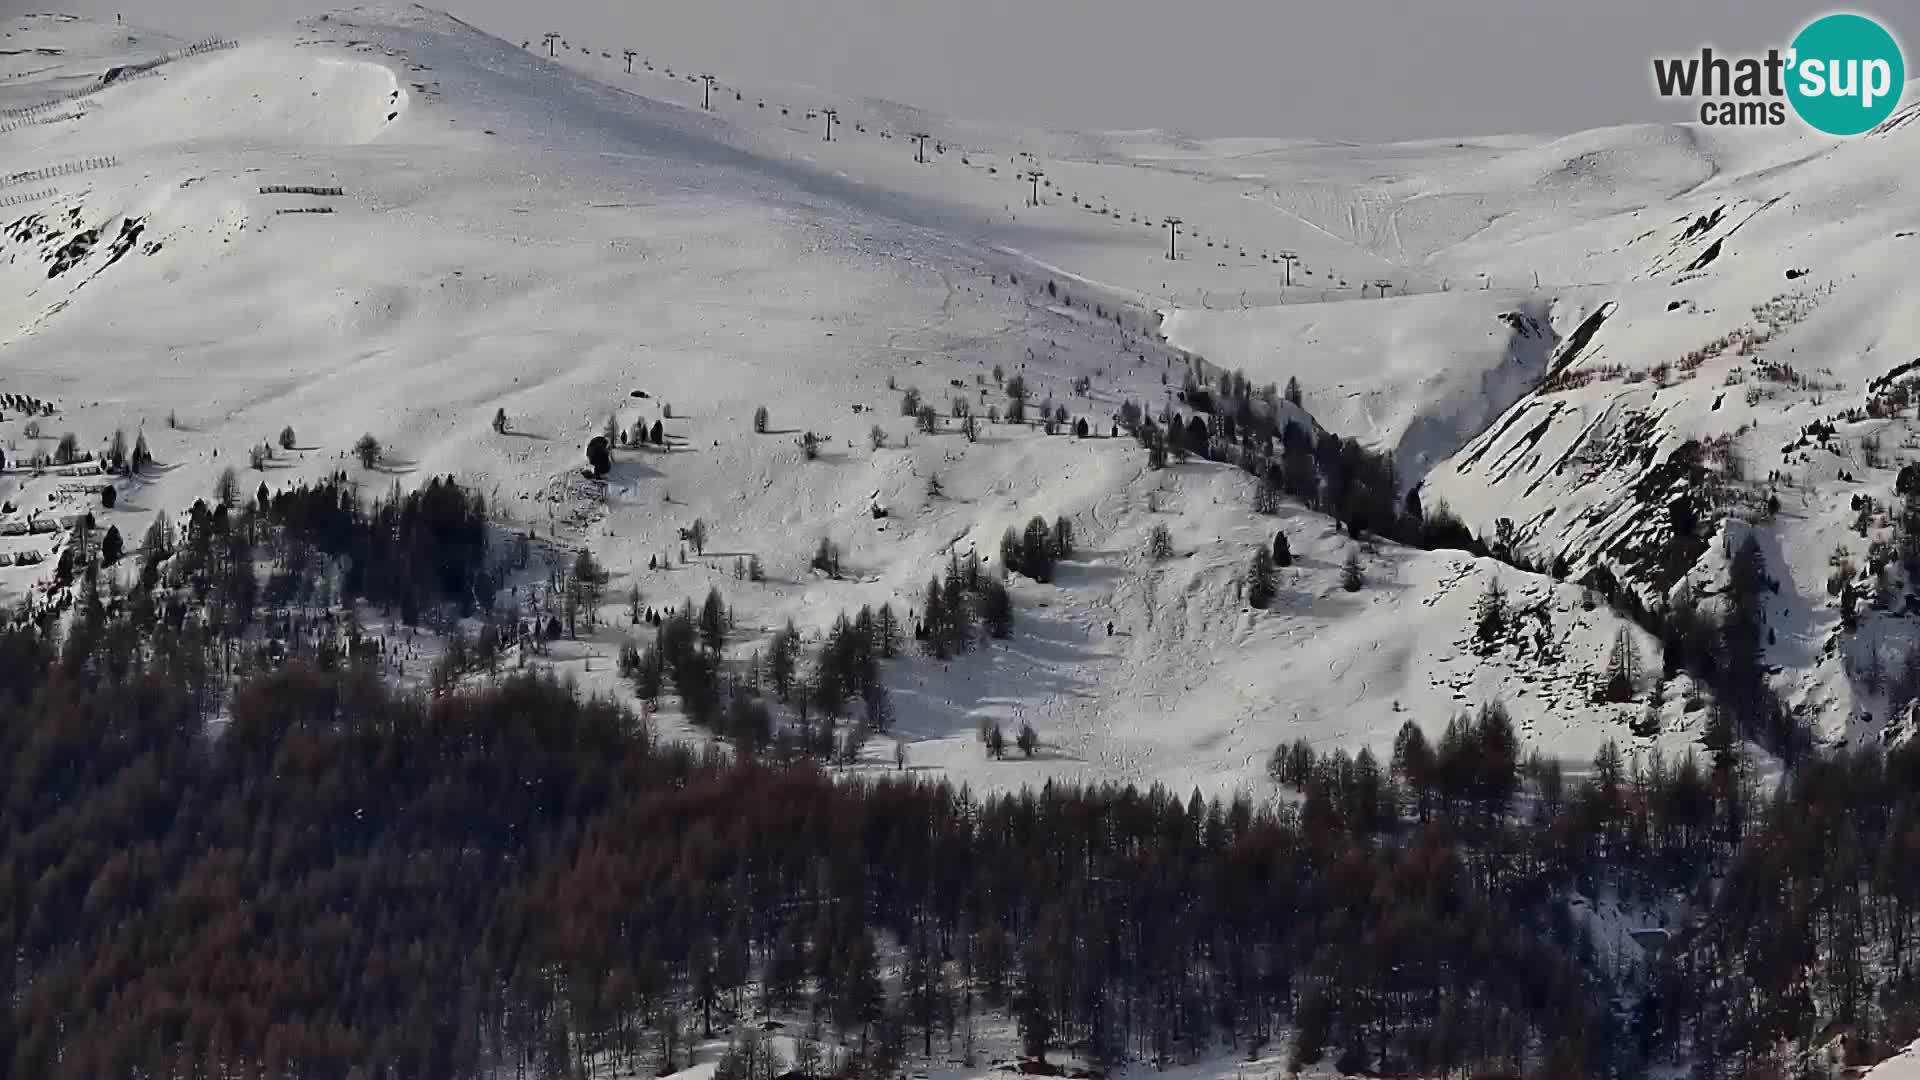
x=1490, y=614
x=1742, y=629
x=996, y=607
x=886, y=633
x=1036, y=550
x=1260, y=585
x=1623, y=669
x=993, y=739
x=1028, y=740
x=713, y=623
x=111, y=546
x=783, y=659
x=1160, y=544
x=1351, y=578
x=226, y=491
x=826, y=558
x=1062, y=538
x=936, y=620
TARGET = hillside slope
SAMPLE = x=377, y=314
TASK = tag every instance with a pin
x=508, y=233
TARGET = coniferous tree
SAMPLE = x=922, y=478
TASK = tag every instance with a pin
x=1260, y=585
x=1351, y=577
x=1028, y=740
x=936, y=621
x=996, y=607
x=1062, y=538
x=994, y=739
x=826, y=558
x=886, y=633
x=1160, y=544
x=1490, y=614
x=1036, y=550
x=783, y=658
x=1623, y=669
x=713, y=623
x=226, y=490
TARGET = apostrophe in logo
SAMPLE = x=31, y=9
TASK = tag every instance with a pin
x=1846, y=74
x=1842, y=75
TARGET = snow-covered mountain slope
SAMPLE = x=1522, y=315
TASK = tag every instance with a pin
x=567, y=242
x=1902, y=1066
x=1418, y=375
x=1743, y=361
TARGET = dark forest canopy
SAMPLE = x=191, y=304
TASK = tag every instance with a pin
x=345, y=879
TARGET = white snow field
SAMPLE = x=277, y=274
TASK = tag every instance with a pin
x=1902, y=1066
x=569, y=242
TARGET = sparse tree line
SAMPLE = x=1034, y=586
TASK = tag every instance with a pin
x=773, y=701
x=1235, y=423
x=1722, y=649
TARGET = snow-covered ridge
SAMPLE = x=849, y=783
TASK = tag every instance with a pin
x=567, y=242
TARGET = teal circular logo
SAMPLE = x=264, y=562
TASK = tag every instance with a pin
x=1845, y=74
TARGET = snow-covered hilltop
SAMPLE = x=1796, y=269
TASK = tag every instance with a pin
x=387, y=222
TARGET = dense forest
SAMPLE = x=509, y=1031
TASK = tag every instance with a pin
x=343, y=881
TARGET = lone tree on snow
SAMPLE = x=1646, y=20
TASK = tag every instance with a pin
x=500, y=421
x=368, y=451
x=760, y=420
x=1351, y=578
x=1160, y=545
x=287, y=440
x=993, y=739
x=1260, y=590
x=599, y=456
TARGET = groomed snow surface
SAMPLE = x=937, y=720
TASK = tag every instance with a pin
x=569, y=242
